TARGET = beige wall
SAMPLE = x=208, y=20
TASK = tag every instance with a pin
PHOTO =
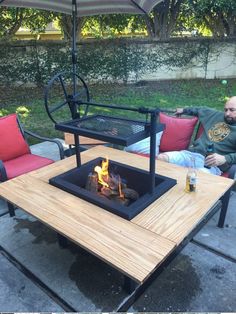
x=221, y=64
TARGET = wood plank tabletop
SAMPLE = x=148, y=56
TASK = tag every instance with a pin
x=131, y=249
x=83, y=140
x=134, y=247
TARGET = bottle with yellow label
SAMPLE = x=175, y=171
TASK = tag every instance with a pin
x=191, y=178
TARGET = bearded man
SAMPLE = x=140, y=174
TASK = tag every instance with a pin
x=219, y=129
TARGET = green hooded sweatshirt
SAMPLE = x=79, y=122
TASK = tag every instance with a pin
x=217, y=131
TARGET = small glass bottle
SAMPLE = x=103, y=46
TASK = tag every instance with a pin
x=209, y=151
x=191, y=178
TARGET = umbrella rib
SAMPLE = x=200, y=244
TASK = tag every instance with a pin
x=138, y=6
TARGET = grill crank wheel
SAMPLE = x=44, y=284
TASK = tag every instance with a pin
x=66, y=97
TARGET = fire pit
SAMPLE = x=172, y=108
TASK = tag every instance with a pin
x=124, y=191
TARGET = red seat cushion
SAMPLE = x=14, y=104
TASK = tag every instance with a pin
x=24, y=164
x=12, y=143
x=178, y=132
x=225, y=174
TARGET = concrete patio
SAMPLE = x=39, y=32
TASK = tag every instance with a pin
x=36, y=275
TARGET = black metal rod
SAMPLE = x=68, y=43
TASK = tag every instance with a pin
x=74, y=48
x=142, y=110
x=224, y=208
x=129, y=301
x=77, y=150
x=152, y=161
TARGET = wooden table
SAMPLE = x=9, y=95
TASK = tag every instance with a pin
x=137, y=247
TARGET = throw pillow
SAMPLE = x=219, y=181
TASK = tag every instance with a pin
x=143, y=147
x=178, y=132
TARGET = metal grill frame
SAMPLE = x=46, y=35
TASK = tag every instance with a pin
x=71, y=127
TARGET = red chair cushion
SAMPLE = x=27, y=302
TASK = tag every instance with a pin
x=178, y=132
x=12, y=143
x=24, y=164
x=225, y=174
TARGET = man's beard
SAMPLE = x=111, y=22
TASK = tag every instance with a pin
x=230, y=120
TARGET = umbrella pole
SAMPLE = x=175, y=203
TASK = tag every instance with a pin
x=74, y=47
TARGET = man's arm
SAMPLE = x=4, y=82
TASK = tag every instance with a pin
x=215, y=160
x=220, y=160
x=191, y=111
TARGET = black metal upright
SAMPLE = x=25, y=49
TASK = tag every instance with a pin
x=74, y=46
x=153, y=129
x=152, y=161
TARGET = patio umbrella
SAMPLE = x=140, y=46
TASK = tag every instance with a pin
x=85, y=8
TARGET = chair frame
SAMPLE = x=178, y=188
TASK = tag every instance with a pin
x=225, y=198
x=25, y=133
x=231, y=174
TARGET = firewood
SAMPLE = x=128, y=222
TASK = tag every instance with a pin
x=108, y=192
x=114, y=182
x=130, y=193
x=121, y=200
x=92, y=182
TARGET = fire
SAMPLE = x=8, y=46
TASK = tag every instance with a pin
x=110, y=185
x=103, y=174
x=105, y=179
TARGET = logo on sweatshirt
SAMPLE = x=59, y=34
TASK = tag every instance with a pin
x=218, y=132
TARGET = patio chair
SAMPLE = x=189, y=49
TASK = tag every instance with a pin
x=15, y=155
x=173, y=140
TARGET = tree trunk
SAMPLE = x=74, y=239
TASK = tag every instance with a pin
x=165, y=15
x=10, y=31
x=67, y=26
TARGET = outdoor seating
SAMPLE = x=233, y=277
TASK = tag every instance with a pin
x=177, y=135
x=15, y=155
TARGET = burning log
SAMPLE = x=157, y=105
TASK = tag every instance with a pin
x=114, y=182
x=109, y=185
x=92, y=182
x=109, y=192
x=122, y=201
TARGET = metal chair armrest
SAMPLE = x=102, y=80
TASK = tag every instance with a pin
x=43, y=138
x=232, y=171
x=3, y=172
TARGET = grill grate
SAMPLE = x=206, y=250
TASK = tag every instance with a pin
x=111, y=126
x=109, y=129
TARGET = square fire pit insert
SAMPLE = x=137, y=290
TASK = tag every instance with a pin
x=74, y=182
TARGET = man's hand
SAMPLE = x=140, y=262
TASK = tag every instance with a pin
x=215, y=160
x=179, y=111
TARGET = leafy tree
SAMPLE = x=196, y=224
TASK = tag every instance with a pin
x=217, y=15
x=66, y=24
x=99, y=26
x=163, y=20
x=11, y=19
x=108, y=25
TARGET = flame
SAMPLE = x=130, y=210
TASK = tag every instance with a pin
x=103, y=172
x=104, y=178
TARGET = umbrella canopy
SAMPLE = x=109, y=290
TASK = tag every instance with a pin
x=86, y=7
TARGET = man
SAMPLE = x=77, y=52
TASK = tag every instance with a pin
x=219, y=129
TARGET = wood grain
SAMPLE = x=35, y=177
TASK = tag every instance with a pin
x=69, y=140
x=126, y=246
x=134, y=247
